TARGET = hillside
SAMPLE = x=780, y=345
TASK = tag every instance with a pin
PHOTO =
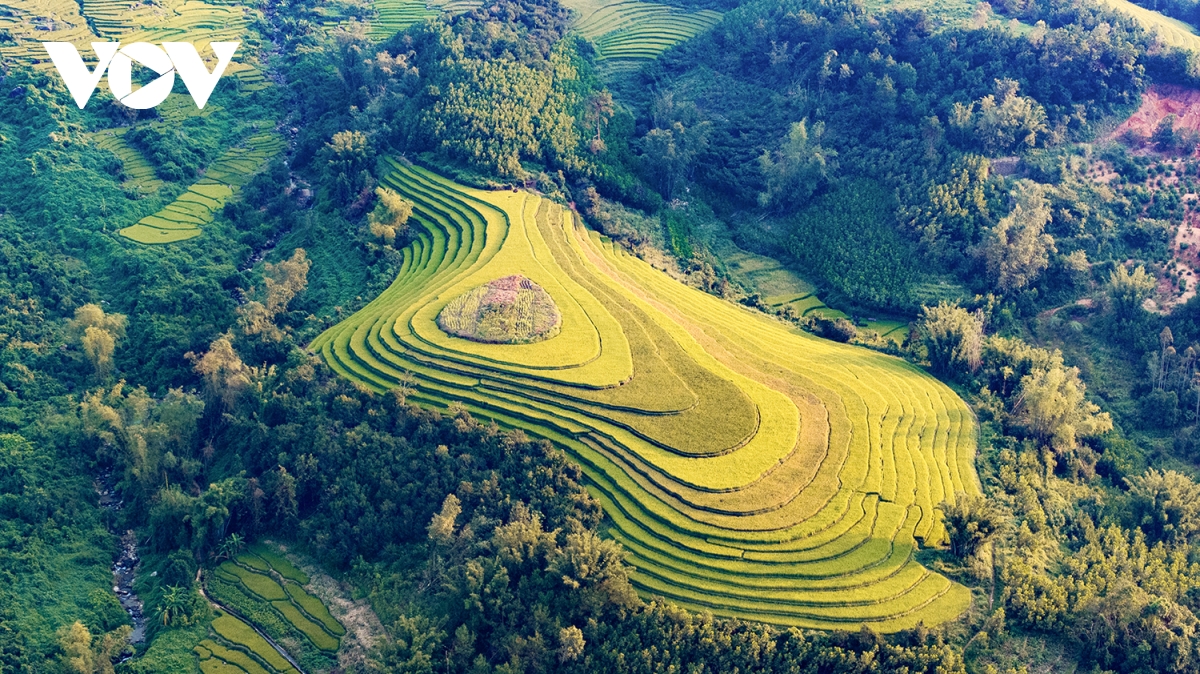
x=749, y=469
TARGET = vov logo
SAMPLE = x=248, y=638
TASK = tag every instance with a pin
x=171, y=58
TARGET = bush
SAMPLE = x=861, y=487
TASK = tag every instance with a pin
x=837, y=329
x=1160, y=409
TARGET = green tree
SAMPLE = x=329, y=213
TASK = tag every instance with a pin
x=956, y=212
x=230, y=547
x=798, y=168
x=283, y=281
x=1001, y=122
x=390, y=217
x=98, y=334
x=1166, y=505
x=1017, y=249
x=1128, y=290
x=441, y=527
x=598, y=111
x=172, y=607
x=970, y=522
x=954, y=338
x=81, y=654
x=348, y=157
x=1052, y=406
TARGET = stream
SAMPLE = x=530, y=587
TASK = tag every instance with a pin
x=125, y=567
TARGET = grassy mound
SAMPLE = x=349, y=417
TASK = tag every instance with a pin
x=749, y=469
x=509, y=310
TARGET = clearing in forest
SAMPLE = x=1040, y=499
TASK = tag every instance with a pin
x=748, y=468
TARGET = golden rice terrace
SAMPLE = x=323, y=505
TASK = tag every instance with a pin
x=748, y=468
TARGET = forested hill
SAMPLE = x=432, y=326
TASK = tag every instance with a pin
x=964, y=175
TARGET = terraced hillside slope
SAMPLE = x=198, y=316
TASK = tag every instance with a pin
x=183, y=218
x=630, y=32
x=29, y=22
x=748, y=468
x=1172, y=32
x=263, y=586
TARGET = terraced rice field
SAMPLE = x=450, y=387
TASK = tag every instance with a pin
x=271, y=581
x=1172, y=32
x=779, y=286
x=183, y=218
x=237, y=649
x=32, y=22
x=394, y=16
x=748, y=468
x=139, y=173
x=627, y=33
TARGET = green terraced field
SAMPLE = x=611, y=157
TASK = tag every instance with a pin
x=139, y=174
x=32, y=22
x=254, y=572
x=626, y=33
x=780, y=287
x=237, y=636
x=183, y=218
x=394, y=16
x=749, y=469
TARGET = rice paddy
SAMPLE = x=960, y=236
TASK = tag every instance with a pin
x=183, y=218
x=749, y=469
x=393, y=16
x=1171, y=32
x=627, y=33
x=238, y=648
x=270, y=583
x=780, y=287
x=31, y=22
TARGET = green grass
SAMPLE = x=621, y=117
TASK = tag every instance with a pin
x=748, y=468
x=266, y=601
x=211, y=649
x=279, y=563
x=215, y=666
x=253, y=561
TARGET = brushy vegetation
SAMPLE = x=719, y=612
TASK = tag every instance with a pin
x=510, y=310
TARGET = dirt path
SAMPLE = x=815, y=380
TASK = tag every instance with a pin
x=1086, y=303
